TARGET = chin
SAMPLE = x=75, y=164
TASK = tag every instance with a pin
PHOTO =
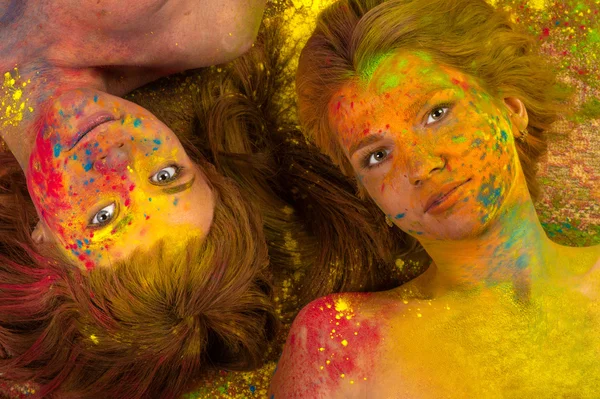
x=456, y=226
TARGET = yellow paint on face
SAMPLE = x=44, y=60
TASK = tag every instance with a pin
x=13, y=104
x=112, y=170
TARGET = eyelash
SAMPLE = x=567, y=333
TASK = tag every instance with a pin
x=365, y=159
x=438, y=106
x=178, y=170
x=364, y=162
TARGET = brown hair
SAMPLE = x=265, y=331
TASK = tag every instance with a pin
x=470, y=35
x=314, y=221
x=151, y=325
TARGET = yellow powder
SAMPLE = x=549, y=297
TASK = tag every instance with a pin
x=12, y=103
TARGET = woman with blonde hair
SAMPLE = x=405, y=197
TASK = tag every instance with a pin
x=439, y=109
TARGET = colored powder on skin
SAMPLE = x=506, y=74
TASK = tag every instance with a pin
x=390, y=82
x=400, y=215
x=137, y=122
x=57, y=150
x=13, y=105
x=459, y=139
x=371, y=66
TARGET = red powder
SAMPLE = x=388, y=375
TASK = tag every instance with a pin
x=461, y=83
x=131, y=187
x=362, y=337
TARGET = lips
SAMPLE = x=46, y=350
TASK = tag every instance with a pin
x=444, y=192
x=90, y=124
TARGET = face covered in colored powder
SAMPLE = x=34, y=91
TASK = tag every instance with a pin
x=432, y=149
x=107, y=177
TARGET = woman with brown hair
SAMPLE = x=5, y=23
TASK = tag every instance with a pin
x=439, y=109
x=159, y=318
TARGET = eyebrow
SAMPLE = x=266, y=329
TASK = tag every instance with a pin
x=411, y=111
x=419, y=102
x=179, y=188
x=365, y=141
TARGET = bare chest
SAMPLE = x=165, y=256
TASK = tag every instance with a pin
x=492, y=349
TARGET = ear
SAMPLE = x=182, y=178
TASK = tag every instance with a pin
x=41, y=233
x=517, y=112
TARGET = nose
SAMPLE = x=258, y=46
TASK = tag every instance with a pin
x=115, y=158
x=421, y=170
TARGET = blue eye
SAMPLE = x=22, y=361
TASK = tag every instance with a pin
x=104, y=216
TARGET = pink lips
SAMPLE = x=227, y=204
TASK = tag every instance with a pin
x=90, y=124
x=445, y=192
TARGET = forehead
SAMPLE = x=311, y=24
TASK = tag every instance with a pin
x=393, y=80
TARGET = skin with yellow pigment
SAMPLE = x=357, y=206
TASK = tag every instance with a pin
x=502, y=311
x=125, y=184
x=105, y=175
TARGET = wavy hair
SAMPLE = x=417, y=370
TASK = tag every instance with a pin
x=469, y=35
x=156, y=325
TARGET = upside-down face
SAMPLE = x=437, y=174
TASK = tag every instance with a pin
x=107, y=177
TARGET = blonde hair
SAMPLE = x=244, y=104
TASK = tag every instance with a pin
x=470, y=35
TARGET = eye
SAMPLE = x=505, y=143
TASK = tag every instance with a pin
x=104, y=216
x=166, y=175
x=372, y=159
x=437, y=113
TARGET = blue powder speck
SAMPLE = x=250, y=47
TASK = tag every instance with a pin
x=57, y=150
x=137, y=122
x=400, y=215
x=87, y=167
x=156, y=141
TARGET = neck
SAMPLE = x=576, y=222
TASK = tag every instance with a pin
x=27, y=90
x=512, y=248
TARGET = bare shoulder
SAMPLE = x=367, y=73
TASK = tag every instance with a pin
x=331, y=349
